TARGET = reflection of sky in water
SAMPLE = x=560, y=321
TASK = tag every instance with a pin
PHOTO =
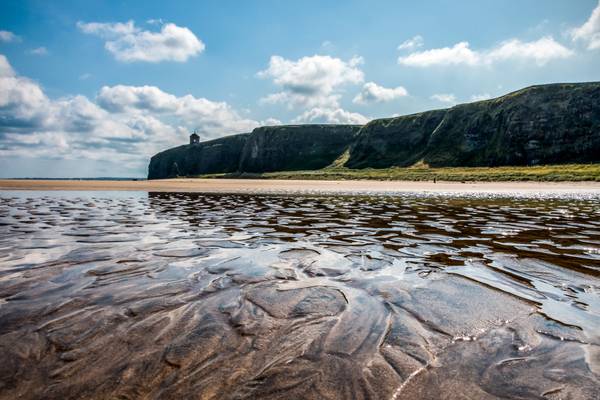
x=397, y=282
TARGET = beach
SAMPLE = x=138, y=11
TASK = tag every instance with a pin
x=171, y=295
x=302, y=186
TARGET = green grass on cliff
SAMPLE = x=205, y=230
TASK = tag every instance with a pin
x=556, y=173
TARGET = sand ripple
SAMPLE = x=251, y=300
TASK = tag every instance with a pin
x=298, y=297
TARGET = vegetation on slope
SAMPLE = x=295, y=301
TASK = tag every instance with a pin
x=566, y=172
x=539, y=125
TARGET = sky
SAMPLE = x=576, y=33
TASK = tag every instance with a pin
x=95, y=88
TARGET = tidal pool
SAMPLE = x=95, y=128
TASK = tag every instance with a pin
x=190, y=296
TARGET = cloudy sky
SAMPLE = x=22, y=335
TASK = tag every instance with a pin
x=93, y=89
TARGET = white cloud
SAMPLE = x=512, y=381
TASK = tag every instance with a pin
x=39, y=51
x=540, y=51
x=311, y=81
x=270, y=122
x=213, y=118
x=589, y=32
x=123, y=127
x=412, y=43
x=5, y=68
x=372, y=92
x=85, y=76
x=111, y=29
x=129, y=43
x=458, y=54
x=480, y=97
x=22, y=102
x=331, y=116
x=8, y=37
x=155, y=21
x=448, y=98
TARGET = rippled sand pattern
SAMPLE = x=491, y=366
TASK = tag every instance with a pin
x=183, y=296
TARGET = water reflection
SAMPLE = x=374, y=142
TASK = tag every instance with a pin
x=241, y=296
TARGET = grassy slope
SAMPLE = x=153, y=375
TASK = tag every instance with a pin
x=566, y=172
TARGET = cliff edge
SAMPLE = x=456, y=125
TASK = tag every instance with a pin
x=543, y=124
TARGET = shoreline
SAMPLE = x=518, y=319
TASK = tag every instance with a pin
x=271, y=186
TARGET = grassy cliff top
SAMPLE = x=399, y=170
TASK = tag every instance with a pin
x=542, y=173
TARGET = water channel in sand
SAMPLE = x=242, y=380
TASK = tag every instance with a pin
x=137, y=295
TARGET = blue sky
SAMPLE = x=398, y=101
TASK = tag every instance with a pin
x=95, y=88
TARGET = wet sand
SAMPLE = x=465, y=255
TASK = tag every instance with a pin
x=134, y=295
x=303, y=186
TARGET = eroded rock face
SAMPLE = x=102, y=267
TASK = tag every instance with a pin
x=546, y=124
x=398, y=141
x=295, y=147
x=276, y=148
x=188, y=296
x=214, y=156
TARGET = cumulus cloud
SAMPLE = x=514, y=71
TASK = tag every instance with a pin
x=589, y=32
x=447, y=98
x=372, y=92
x=330, y=116
x=412, y=43
x=129, y=43
x=8, y=37
x=270, y=122
x=311, y=81
x=460, y=53
x=540, y=51
x=5, y=68
x=123, y=126
x=22, y=101
x=214, y=118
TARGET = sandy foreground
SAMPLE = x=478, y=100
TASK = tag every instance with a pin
x=302, y=186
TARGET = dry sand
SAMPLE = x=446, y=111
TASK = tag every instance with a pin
x=303, y=186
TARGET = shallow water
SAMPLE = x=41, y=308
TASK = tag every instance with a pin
x=135, y=295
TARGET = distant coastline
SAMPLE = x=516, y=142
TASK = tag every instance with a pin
x=102, y=178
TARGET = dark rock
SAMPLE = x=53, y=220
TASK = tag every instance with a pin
x=397, y=141
x=214, y=156
x=272, y=148
x=546, y=124
x=295, y=147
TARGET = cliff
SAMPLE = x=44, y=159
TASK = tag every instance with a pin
x=270, y=148
x=219, y=155
x=295, y=147
x=544, y=124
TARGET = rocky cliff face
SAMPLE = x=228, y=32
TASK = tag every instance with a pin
x=295, y=147
x=398, y=141
x=214, y=156
x=545, y=124
x=271, y=148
